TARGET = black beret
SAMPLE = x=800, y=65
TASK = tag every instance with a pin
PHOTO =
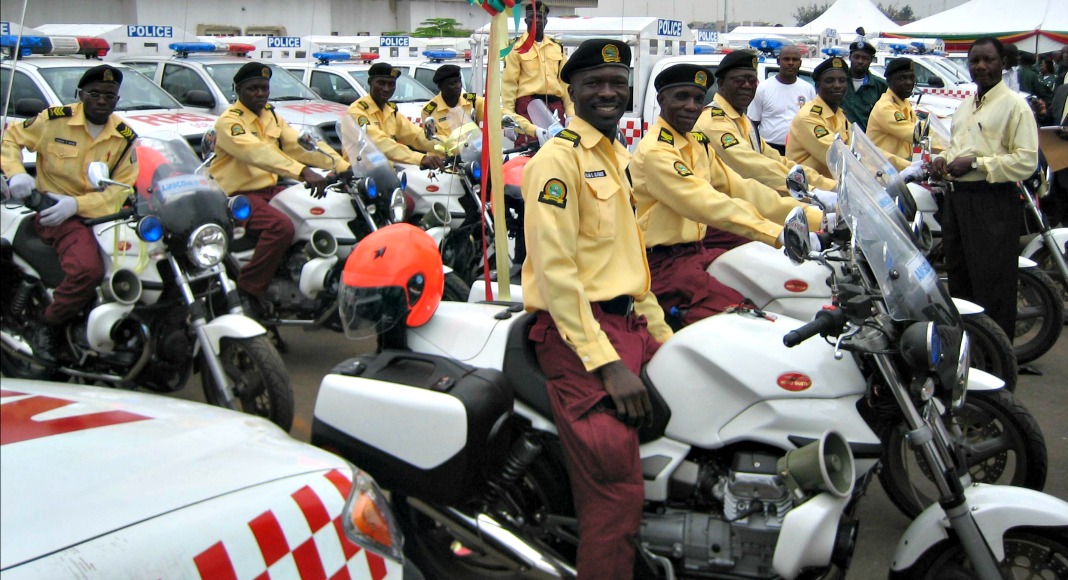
x=682, y=74
x=446, y=72
x=104, y=73
x=252, y=70
x=896, y=65
x=382, y=69
x=862, y=45
x=835, y=62
x=737, y=59
x=543, y=8
x=594, y=53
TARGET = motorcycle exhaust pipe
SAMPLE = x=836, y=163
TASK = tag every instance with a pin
x=438, y=216
x=499, y=538
x=323, y=244
x=123, y=286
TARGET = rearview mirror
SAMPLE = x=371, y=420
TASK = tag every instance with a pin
x=430, y=128
x=307, y=141
x=795, y=236
x=207, y=143
x=797, y=183
x=99, y=176
x=199, y=98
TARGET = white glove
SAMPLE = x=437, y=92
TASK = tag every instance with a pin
x=21, y=186
x=830, y=220
x=913, y=172
x=828, y=199
x=66, y=206
x=814, y=244
x=543, y=135
x=509, y=134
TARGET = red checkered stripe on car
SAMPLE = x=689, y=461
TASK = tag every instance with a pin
x=299, y=539
x=633, y=128
x=960, y=94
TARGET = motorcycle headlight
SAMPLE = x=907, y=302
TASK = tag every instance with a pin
x=964, y=363
x=240, y=207
x=921, y=346
x=207, y=245
x=368, y=520
x=474, y=171
x=150, y=228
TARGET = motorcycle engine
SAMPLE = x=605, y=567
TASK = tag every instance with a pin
x=285, y=293
x=738, y=533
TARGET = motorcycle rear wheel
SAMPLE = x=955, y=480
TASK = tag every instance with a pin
x=1039, y=315
x=261, y=381
x=1002, y=443
x=991, y=348
x=1045, y=262
x=456, y=290
x=1029, y=553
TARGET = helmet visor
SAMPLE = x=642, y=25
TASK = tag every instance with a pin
x=367, y=312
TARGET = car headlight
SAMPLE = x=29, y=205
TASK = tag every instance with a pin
x=368, y=520
x=964, y=363
x=207, y=245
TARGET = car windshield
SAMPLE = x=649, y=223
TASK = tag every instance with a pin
x=284, y=86
x=135, y=93
x=408, y=89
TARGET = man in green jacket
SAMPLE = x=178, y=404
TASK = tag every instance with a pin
x=863, y=89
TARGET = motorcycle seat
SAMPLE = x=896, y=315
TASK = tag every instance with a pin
x=529, y=382
x=41, y=256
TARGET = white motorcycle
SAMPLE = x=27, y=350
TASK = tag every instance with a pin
x=152, y=325
x=742, y=477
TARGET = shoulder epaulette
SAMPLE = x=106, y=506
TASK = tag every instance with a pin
x=235, y=111
x=268, y=107
x=470, y=96
x=430, y=107
x=717, y=111
x=699, y=136
x=363, y=105
x=125, y=130
x=555, y=40
x=817, y=110
x=569, y=135
x=393, y=107
x=59, y=112
x=666, y=136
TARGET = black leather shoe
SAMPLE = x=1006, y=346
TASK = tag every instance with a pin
x=252, y=305
x=46, y=346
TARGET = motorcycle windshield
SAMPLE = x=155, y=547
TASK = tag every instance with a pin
x=877, y=174
x=169, y=187
x=909, y=285
x=366, y=159
x=468, y=138
x=870, y=156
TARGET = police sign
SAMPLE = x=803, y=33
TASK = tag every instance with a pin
x=393, y=41
x=283, y=42
x=707, y=36
x=5, y=27
x=148, y=31
x=669, y=27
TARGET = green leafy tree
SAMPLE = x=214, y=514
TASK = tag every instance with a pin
x=806, y=14
x=394, y=33
x=440, y=27
x=903, y=14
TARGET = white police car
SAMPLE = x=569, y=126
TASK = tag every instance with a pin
x=201, y=75
x=106, y=483
x=47, y=74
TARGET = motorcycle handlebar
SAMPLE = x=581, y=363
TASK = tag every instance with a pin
x=120, y=215
x=826, y=322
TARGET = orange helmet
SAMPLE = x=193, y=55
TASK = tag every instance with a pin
x=149, y=161
x=393, y=275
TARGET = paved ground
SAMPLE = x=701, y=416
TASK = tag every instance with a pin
x=312, y=354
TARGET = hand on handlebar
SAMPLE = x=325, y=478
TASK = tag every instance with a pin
x=315, y=182
x=913, y=172
x=64, y=208
x=432, y=161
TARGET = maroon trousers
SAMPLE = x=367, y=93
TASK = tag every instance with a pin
x=682, y=285
x=83, y=268
x=554, y=104
x=601, y=452
x=275, y=234
x=716, y=239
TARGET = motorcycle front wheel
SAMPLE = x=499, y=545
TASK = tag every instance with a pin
x=1045, y=262
x=991, y=349
x=261, y=382
x=1001, y=443
x=1030, y=552
x=456, y=290
x=1039, y=315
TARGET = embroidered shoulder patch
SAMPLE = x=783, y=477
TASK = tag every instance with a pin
x=393, y=107
x=236, y=130
x=554, y=193
x=699, y=137
x=898, y=116
x=718, y=112
x=817, y=110
x=470, y=96
x=569, y=135
x=682, y=170
x=26, y=124
x=666, y=136
x=728, y=140
x=430, y=107
x=820, y=131
x=362, y=120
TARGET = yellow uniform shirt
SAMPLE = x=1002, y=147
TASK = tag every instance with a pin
x=65, y=149
x=583, y=244
x=812, y=132
x=392, y=132
x=890, y=127
x=534, y=72
x=252, y=151
x=472, y=105
x=1000, y=131
x=735, y=141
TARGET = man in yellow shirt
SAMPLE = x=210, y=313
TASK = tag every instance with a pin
x=892, y=120
x=597, y=324
x=535, y=74
x=254, y=146
x=734, y=138
x=449, y=109
x=680, y=191
x=66, y=140
x=813, y=129
x=994, y=145
x=398, y=138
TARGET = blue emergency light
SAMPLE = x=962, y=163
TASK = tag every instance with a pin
x=700, y=49
x=898, y=48
x=240, y=207
x=440, y=54
x=767, y=45
x=920, y=46
x=188, y=47
x=328, y=57
x=835, y=51
x=150, y=228
x=29, y=45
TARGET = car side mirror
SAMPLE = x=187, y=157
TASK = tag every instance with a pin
x=936, y=82
x=199, y=98
x=29, y=107
x=795, y=236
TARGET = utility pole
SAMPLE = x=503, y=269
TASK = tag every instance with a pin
x=724, y=16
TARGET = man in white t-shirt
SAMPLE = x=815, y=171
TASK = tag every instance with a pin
x=779, y=98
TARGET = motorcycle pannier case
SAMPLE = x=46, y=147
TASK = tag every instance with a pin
x=420, y=424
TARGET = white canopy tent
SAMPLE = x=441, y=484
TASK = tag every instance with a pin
x=843, y=18
x=1033, y=25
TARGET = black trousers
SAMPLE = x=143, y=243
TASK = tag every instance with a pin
x=981, y=235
